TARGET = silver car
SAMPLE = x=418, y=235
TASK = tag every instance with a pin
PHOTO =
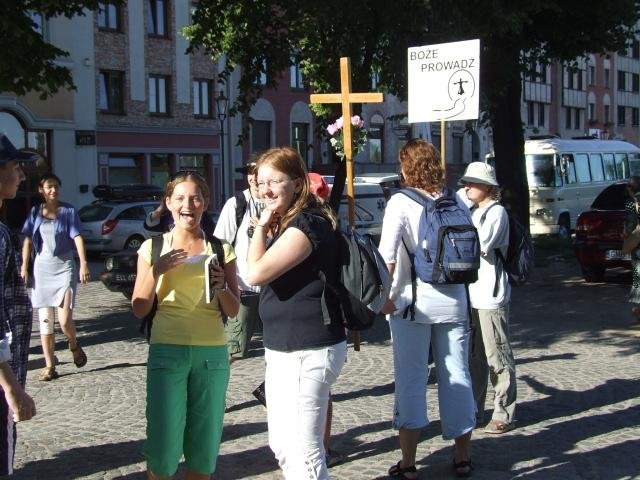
x=111, y=226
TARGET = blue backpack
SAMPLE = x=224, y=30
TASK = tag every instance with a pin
x=448, y=249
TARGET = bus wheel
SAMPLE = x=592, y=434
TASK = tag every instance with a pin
x=564, y=227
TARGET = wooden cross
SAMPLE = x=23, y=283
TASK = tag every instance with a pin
x=346, y=98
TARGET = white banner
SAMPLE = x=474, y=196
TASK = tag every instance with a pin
x=444, y=81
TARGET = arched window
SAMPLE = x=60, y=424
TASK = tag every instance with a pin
x=15, y=211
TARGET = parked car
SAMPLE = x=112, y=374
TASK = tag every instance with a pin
x=114, y=225
x=370, y=201
x=119, y=274
x=598, y=235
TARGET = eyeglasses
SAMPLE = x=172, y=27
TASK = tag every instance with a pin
x=274, y=182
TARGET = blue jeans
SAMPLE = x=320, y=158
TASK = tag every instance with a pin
x=411, y=343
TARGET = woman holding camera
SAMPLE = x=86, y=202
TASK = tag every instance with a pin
x=304, y=356
x=188, y=365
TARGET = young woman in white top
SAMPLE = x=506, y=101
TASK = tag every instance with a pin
x=490, y=295
x=441, y=321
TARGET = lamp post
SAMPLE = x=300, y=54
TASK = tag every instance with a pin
x=221, y=106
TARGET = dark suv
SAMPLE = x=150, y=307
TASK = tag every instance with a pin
x=598, y=239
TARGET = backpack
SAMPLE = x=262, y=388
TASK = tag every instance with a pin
x=448, y=248
x=156, y=248
x=363, y=281
x=520, y=254
x=241, y=209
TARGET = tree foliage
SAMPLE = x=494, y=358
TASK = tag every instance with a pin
x=259, y=36
x=27, y=60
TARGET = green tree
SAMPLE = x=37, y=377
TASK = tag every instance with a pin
x=260, y=36
x=28, y=61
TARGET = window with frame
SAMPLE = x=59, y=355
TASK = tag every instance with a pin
x=595, y=165
x=621, y=115
x=607, y=114
x=109, y=16
x=568, y=169
x=111, y=92
x=582, y=167
x=609, y=166
x=530, y=114
x=635, y=116
x=622, y=80
x=260, y=135
x=299, y=136
x=592, y=75
x=541, y=115
x=567, y=119
x=261, y=78
x=607, y=78
x=375, y=137
x=622, y=166
x=592, y=111
x=569, y=79
x=579, y=80
x=635, y=49
x=157, y=18
x=195, y=162
x=577, y=115
x=297, y=82
x=635, y=83
x=159, y=94
x=202, y=98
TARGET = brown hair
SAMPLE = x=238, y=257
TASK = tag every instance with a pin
x=188, y=176
x=288, y=161
x=421, y=167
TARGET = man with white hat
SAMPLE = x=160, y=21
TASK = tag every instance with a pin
x=490, y=296
x=15, y=314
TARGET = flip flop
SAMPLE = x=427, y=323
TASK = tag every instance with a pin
x=495, y=427
x=399, y=472
x=462, y=468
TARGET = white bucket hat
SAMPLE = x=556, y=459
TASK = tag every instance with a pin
x=480, y=172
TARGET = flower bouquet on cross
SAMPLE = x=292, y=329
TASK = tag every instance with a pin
x=358, y=135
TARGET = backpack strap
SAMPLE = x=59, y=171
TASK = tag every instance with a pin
x=417, y=197
x=414, y=286
x=497, y=251
x=241, y=209
x=218, y=249
x=147, y=321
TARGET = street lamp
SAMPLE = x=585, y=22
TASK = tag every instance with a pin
x=222, y=103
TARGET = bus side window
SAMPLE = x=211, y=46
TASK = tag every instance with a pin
x=622, y=166
x=568, y=169
x=609, y=166
x=595, y=165
x=582, y=168
x=633, y=165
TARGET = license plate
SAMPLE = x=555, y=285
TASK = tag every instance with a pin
x=617, y=255
x=125, y=278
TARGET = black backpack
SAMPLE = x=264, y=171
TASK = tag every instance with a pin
x=363, y=281
x=156, y=248
x=241, y=209
x=520, y=254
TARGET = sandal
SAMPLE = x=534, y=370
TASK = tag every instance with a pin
x=462, y=468
x=399, y=472
x=47, y=374
x=496, y=427
x=79, y=357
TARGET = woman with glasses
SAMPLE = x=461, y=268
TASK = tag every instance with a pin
x=188, y=364
x=304, y=356
x=53, y=231
x=441, y=322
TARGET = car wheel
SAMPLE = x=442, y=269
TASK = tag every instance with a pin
x=592, y=274
x=134, y=242
x=564, y=227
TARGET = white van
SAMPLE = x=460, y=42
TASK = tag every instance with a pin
x=565, y=176
x=370, y=202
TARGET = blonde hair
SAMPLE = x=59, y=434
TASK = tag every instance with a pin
x=288, y=161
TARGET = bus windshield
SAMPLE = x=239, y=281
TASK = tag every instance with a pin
x=541, y=171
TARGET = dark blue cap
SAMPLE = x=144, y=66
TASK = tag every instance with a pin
x=8, y=152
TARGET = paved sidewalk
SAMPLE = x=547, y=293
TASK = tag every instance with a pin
x=577, y=351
